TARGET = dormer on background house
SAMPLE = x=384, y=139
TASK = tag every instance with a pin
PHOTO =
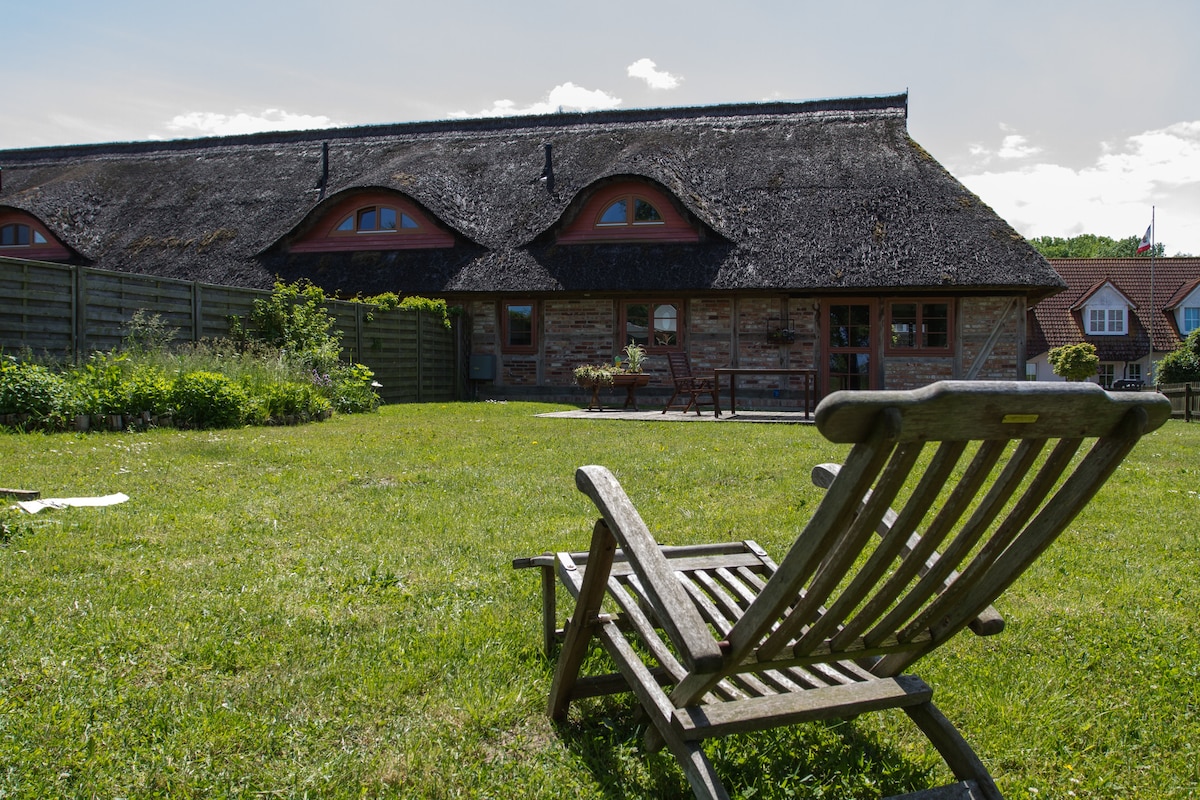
x=1184, y=305
x=1105, y=311
x=1108, y=303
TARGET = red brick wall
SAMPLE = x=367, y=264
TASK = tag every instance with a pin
x=734, y=331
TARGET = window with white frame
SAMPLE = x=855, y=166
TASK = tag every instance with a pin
x=1106, y=321
x=1106, y=374
x=1134, y=371
x=1191, y=319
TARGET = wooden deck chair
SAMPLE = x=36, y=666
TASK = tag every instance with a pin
x=948, y=494
x=690, y=386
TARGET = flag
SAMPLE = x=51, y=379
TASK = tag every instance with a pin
x=1144, y=245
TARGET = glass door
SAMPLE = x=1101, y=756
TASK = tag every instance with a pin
x=849, y=345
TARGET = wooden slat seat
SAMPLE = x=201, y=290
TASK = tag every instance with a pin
x=947, y=495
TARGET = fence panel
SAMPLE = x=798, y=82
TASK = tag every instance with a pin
x=67, y=312
x=37, y=308
x=110, y=299
x=1185, y=400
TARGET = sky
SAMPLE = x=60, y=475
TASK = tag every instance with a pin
x=1065, y=116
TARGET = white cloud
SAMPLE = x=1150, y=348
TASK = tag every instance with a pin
x=1111, y=197
x=1013, y=146
x=564, y=97
x=209, y=123
x=648, y=71
x=1016, y=146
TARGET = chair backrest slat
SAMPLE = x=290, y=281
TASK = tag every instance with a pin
x=680, y=364
x=843, y=553
x=898, y=540
x=843, y=592
x=1037, y=489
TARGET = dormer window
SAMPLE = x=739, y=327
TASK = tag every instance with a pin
x=1104, y=311
x=18, y=235
x=377, y=219
x=628, y=211
x=22, y=235
x=1191, y=319
x=1106, y=321
x=373, y=220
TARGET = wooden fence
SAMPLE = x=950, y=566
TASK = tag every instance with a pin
x=65, y=312
x=1185, y=400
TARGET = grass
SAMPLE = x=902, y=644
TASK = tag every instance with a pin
x=328, y=611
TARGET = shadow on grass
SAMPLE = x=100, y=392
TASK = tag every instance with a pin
x=818, y=760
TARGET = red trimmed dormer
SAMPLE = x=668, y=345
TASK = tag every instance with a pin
x=628, y=211
x=372, y=220
x=22, y=235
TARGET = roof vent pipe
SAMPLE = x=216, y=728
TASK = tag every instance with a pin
x=324, y=179
x=548, y=170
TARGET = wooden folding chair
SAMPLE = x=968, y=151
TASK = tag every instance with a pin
x=693, y=387
x=948, y=494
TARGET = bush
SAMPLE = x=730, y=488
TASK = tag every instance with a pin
x=1075, y=362
x=29, y=389
x=290, y=399
x=1181, y=365
x=147, y=388
x=295, y=320
x=352, y=389
x=209, y=400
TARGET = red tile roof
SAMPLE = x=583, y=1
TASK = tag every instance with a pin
x=1057, y=320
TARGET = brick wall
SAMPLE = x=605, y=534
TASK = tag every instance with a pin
x=729, y=331
x=978, y=318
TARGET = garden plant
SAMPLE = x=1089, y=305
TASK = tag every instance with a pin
x=282, y=366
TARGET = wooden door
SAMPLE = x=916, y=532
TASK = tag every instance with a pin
x=851, y=355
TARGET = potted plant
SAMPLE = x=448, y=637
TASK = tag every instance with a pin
x=590, y=375
x=782, y=336
x=635, y=354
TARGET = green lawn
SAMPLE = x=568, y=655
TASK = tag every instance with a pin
x=328, y=611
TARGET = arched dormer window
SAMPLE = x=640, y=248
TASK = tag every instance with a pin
x=377, y=219
x=23, y=236
x=628, y=211
x=372, y=221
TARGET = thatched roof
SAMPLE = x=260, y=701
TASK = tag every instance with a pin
x=805, y=197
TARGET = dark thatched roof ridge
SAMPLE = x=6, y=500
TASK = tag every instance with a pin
x=821, y=196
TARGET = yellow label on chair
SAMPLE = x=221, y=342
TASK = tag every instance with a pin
x=1020, y=419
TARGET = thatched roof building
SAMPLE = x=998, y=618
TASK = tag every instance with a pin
x=762, y=213
x=794, y=196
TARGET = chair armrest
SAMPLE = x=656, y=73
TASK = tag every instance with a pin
x=988, y=623
x=676, y=612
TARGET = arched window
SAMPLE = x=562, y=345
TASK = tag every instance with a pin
x=23, y=236
x=17, y=235
x=628, y=211
x=377, y=219
x=374, y=220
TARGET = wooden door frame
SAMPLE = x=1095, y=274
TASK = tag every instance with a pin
x=874, y=349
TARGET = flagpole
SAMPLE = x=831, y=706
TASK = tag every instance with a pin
x=1150, y=366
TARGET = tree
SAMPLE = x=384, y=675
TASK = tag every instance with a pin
x=1075, y=362
x=1089, y=245
x=1181, y=365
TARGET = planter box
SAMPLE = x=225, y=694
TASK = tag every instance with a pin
x=629, y=381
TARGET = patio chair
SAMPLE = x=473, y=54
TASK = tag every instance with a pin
x=720, y=639
x=690, y=386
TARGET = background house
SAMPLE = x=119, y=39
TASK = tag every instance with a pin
x=812, y=235
x=1108, y=303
